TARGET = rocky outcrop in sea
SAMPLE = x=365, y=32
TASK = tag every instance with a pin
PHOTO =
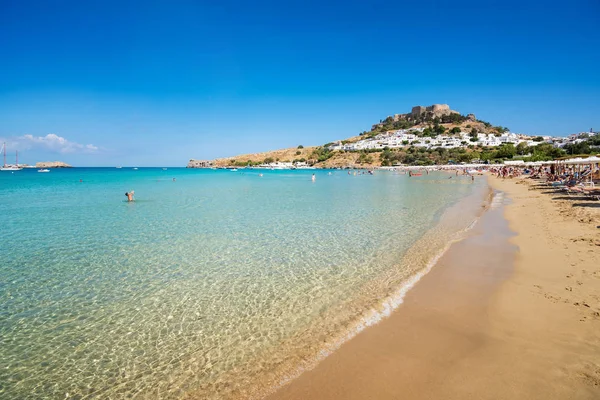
x=52, y=164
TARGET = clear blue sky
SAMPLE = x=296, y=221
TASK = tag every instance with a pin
x=159, y=82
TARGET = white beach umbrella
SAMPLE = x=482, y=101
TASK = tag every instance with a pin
x=574, y=161
x=593, y=160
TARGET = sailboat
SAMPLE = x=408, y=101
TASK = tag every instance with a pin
x=8, y=167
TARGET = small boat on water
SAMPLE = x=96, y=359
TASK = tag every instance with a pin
x=234, y=170
x=8, y=167
x=43, y=170
x=164, y=169
x=135, y=168
x=118, y=167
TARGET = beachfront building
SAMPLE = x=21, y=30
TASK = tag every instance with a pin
x=277, y=165
x=410, y=137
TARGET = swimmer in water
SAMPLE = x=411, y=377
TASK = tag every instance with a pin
x=314, y=178
x=129, y=196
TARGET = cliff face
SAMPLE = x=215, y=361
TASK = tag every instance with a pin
x=52, y=164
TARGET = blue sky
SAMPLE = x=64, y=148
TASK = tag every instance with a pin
x=159, y=82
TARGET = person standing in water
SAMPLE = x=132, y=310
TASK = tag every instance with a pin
x=314, y=178
x=129, y=196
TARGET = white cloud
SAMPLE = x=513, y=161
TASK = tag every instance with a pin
x=55, y=143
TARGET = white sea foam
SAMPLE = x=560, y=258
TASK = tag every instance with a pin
x=386, y=307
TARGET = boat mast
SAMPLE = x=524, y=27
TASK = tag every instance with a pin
x=17, y=158
x=4, y=148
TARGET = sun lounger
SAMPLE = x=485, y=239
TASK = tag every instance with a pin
x=591, y=192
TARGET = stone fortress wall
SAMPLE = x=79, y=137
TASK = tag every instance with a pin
x=436, y=110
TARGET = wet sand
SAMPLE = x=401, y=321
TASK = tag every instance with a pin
x=512, y=311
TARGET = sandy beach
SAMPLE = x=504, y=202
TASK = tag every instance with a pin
x=512, y=311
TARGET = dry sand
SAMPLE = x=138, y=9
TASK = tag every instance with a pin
x=501, y=316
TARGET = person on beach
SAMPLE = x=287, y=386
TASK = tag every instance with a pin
x=129, y=196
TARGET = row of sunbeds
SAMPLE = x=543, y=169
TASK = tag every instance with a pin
x=578, y=186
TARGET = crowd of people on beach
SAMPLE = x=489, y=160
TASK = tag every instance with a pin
x=507, y=172
x=572, y=179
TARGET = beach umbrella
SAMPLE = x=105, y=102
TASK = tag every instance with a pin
x=575, y=161
x=593, y=160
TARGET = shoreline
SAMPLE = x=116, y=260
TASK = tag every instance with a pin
x=452, y=225
x=449, y=229
x=483, y=316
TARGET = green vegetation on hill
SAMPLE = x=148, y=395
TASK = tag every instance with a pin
x=321, y=154
x=542, y=152
x=422, y=156
x=589, y=146
x=408, y=122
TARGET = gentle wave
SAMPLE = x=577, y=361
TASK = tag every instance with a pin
x=390, y=303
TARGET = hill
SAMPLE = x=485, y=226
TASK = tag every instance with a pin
x=427, y=135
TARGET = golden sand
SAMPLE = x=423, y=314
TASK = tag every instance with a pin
x=501, y=316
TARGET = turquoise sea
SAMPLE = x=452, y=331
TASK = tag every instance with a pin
x=213, y=283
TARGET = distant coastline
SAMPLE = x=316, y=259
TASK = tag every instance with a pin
x=52, y=164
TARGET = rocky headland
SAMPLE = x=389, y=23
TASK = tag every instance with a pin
x=427, y=135
x=52, y=164
x=438, y=116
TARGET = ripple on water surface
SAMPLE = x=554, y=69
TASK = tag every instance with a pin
x=204, y=285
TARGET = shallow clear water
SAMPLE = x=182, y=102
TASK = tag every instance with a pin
x=203, y=285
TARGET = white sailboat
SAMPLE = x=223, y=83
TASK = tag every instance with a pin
x=8, y=167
